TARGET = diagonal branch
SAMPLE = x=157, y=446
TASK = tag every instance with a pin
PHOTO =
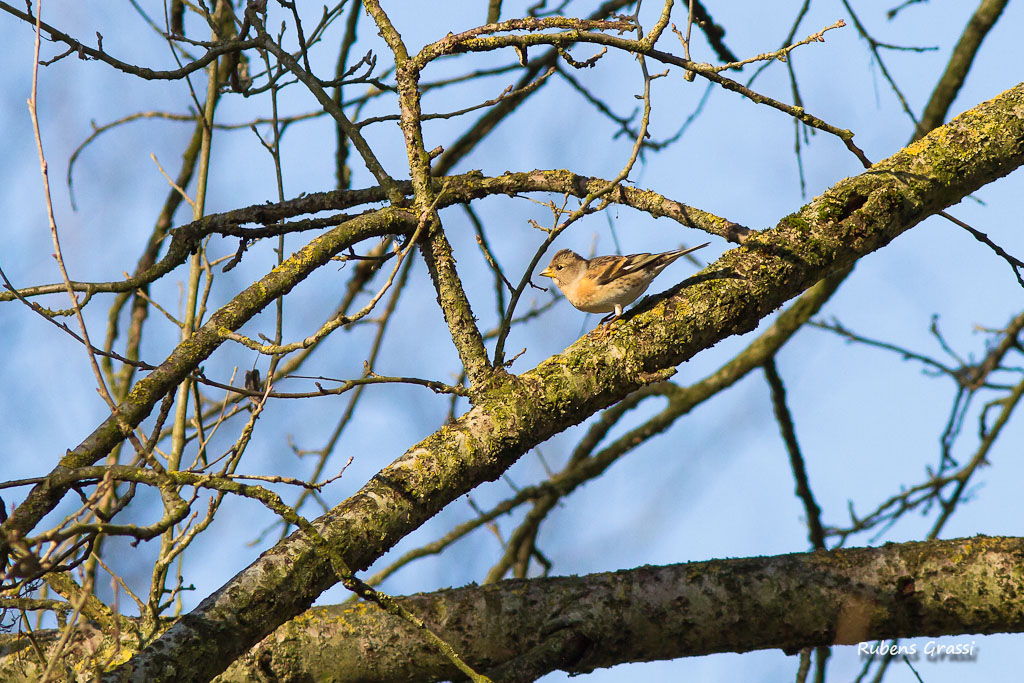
x=436, y=250
x=854, y=218
x=192, y=351
x=983, y=19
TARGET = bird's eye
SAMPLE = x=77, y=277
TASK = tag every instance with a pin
x=559, y=267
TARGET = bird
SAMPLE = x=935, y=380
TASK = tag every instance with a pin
x=604, y=284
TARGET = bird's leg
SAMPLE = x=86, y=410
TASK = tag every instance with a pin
x=606, y=322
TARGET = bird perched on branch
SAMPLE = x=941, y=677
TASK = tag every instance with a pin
x=604, y=284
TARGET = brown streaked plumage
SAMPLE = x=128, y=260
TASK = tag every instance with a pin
x=605, y=284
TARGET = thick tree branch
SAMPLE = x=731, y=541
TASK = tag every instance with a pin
x=787, y=602
x=578, y=624
x=585, y=465
x=854, y=218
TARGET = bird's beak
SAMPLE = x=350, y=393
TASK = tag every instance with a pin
x=546, y=272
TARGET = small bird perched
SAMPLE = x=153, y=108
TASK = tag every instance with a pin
x=607, y=283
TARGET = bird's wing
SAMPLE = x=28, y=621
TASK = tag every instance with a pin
x=609, y=268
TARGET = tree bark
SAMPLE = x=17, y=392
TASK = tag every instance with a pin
x=523, y=628
x=857, y=216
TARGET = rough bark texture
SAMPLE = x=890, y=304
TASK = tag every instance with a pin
x=514, y=413
x=577, y=624
x=653, y=613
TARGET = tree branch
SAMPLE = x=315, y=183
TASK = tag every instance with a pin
x=578, y=624
x=983, y=19
x=784, y=602
x=191, y=352
x=855, y=217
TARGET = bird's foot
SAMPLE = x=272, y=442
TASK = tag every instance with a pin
x=605, y=326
